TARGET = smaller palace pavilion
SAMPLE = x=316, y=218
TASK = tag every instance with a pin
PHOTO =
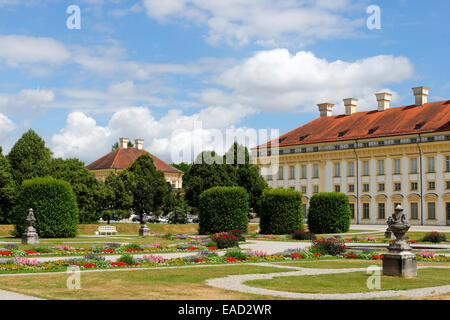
x=124, y=156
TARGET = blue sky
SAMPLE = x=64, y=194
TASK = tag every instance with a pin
x=152, y=69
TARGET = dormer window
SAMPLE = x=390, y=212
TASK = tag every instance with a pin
x=304, y=137
x=281, y=140
x=419, y=125
x=343, y=133
x=371, y=131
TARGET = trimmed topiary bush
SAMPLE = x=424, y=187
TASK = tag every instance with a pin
x=225, y=240
x=435, y=237
x=280, y=211
x=302, y=234
x=329, y=212
x=54, y=204
x=222, y=209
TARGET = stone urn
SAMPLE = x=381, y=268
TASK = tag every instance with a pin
x=30, y=236
x=399, y=261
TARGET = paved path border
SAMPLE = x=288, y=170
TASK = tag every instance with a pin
x=236, y=283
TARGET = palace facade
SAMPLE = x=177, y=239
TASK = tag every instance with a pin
x=124, y=156
x=379, y=158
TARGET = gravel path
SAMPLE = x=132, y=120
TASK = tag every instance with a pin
x=8, y=295
x=236, y=283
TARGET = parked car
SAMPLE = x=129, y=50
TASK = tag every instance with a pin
x=163, y=219
x=135, y=219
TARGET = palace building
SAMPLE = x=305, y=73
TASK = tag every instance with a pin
x=379, y=158
x=124, y=156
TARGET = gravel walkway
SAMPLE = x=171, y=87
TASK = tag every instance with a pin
x=236, y=283
x=8, y=295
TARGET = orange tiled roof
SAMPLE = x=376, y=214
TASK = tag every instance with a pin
x=123, y=158
x=431, y=117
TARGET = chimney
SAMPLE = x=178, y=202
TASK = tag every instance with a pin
x=138, y=143
x=124, y=143
x=421, y=94
x=325, y=109
x=383, y=99
x=350, y=106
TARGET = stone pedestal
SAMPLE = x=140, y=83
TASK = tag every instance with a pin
x=144, y=230
x=30, y=236
x=400, y=264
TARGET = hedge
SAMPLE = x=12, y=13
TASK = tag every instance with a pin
x=222, y=209
x=329, y=212
x=280, y=211
x=54, y=205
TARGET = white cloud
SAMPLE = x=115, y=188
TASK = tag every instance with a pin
x=275, y=80
x=6, y=125
x=85, y=139
x=17, y=49
x=27, y=101
x=263, y=21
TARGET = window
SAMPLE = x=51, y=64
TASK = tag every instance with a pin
x=337, y=188
x=269, y=177
x=366, y=187
x=351, y=169
x=365, y=168
x=381, y=187
x=351, y=188
x=413, y=186
x=366, y=211
x=305, y=212
x=280, y=173
x=431, y=206
x=414, y=210
x=431, y=185
x=397, y=169
x=303, y=189
x=304, y=171
x=413, y=165
x=315, y=171
x=381, y=211
x=291, y=172
x=337, y=169
x=316, y=189
x=397, y=186
x=365, y=144
x=447, y=185
x=381, y=167
x=430, y=161
x=447, y=164
x=352, y=210
x=315, y=149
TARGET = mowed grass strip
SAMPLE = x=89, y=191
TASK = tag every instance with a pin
x=163, y=284
x=352, y=282
x=323, y=264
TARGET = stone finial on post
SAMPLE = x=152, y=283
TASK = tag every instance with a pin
x=399, y=261
x=30, y=235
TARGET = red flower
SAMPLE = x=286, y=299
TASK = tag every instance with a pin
x=296, y=256
x=212, y=248
x=192, y=248
x=108, y=250
x=120, y=264
x=5, y=253
x=350, y=256
x=232, y=259
x=27, y=252
x=318, y=255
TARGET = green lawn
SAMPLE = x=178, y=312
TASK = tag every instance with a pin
x=162, y=284
x=352, y=282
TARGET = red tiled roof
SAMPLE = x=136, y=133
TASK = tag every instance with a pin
x=123, y=158
x=434, y=117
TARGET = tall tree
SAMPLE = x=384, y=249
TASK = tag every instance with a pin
x=84, y=184
x=7, y=190
x=183, y=166
x=119, y=188
x=29, y=158
x=248, y=175
x=150, y=186
x=208, y=171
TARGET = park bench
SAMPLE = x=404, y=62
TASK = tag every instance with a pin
x=107, y=230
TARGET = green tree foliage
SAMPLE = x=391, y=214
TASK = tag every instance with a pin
x=118, y=195
x=329, y=212
x=29, y=158
x=223, y=209
x=183, y=166
x=247, y=174
x=116, y=145
x=150, y=186
x=54, y=205
x=281, y=211
x=207, y=172
x=7, y=190
x=86, y=187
